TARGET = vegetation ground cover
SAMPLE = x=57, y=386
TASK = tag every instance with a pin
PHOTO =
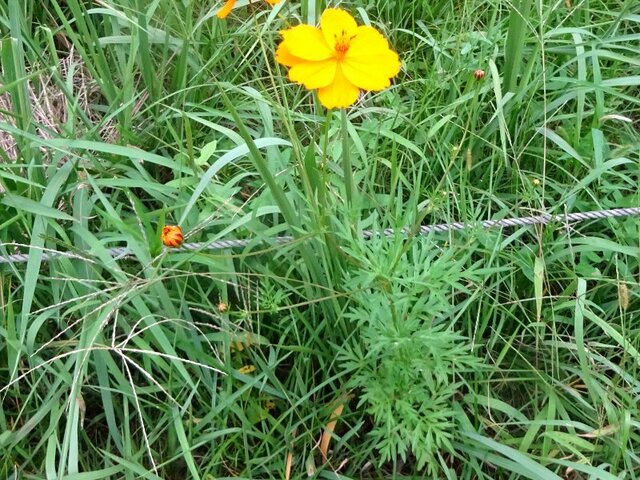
x=473, y=354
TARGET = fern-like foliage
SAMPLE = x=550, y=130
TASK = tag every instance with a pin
x=406, y=359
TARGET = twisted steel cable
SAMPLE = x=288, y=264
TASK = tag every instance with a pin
x=120, y=252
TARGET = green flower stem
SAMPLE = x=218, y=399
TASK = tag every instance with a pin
x=346, y=160
x=319, y=272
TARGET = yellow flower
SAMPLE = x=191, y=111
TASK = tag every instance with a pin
x=172, y=236
x=247, y=369
x=242, y=341
x=228, y=6
x=338, y=59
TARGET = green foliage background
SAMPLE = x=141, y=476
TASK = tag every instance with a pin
x=476, y=354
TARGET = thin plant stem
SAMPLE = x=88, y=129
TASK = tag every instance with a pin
x=346, y=159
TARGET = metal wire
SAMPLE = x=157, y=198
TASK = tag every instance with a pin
x=120, y=252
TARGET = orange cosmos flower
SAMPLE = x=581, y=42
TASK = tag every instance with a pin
x=172, y=236
x=338, y=59
x=228, y=6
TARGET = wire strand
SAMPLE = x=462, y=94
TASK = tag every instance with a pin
x=121, y=252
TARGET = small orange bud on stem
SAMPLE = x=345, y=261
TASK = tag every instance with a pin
x=172, y=236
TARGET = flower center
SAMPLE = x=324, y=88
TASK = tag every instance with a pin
x=343, y=41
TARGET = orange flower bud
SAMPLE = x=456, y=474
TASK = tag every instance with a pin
x=479, y=74
x=172, y=236
x=229, y=4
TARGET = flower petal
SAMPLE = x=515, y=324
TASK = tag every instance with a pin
x=337, y=23
x=372, y=72
x=340, y=93
x=313, y=74
x=367, y=40
x=272, y=2
x=284, y=57
x=370, y=63
x=306, y=42
x=226, y=9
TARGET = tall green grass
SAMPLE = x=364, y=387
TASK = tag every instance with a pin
x=476, y=354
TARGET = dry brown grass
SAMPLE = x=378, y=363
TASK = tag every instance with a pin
x=51, y=107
